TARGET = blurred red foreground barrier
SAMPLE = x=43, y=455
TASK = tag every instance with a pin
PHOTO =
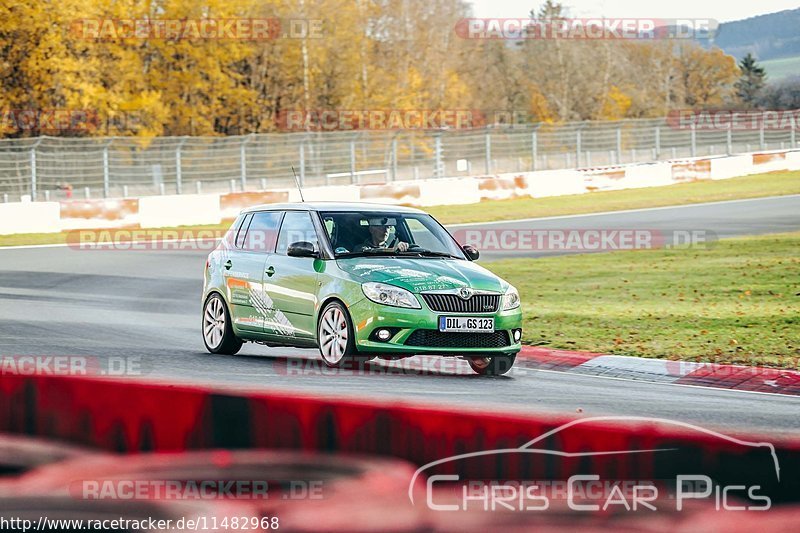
x=21, y=454
x=302, y=491
x=127, y=416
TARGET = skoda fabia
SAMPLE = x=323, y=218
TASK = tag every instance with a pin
x=357, y=281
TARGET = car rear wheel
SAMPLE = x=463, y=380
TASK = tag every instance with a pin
x=493, y=365
x=335, y=337
x=218, y=333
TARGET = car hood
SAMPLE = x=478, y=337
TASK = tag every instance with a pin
x=419, y=275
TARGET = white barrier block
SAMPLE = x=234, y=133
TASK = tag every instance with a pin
x=772, y=161
x=331, y=193
x=449, y=191
x=179, y=210
x=294, y=194
x=608, y=179
x=646, y=175
x=30, y=217
x=731, y=167
x=793, y=160
x=394, y=193
x=503, y=186
x=555, y=183
x=520, y=190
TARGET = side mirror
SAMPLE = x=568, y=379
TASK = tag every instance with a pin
x=472, y=253
x=301, y=249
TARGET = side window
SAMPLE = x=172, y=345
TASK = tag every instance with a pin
x=263, y=232
x=297, y=226
x=243, y=230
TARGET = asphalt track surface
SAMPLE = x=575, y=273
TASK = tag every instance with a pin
x=713, y=220
x=143, y=308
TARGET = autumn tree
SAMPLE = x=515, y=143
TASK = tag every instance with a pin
x=370, y=54
x=705, y=77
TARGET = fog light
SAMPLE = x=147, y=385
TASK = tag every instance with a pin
x=384, y=335
x=517, y=335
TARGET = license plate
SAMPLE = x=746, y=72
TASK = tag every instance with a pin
x=466, y=324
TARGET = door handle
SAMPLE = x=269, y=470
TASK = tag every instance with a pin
x=228, y=264
x=270, y=271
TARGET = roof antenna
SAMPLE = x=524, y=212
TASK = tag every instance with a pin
x=297, y=182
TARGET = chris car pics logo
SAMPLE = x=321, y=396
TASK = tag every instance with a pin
x=590, y=492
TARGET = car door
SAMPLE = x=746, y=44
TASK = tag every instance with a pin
x=244, y=270
x=291, y=282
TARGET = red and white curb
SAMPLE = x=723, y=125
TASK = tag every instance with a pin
x=735, y=377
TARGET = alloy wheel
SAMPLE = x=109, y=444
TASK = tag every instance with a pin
x=333, y=335
x=214, y=323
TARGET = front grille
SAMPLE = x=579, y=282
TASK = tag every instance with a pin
x=452, y=303
x=433, y=338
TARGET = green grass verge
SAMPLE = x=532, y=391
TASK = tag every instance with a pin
x=772, y=184
x=25, y=239
x=759, y=185
x=738, y=302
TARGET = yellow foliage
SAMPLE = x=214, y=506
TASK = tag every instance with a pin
x=539, y=107
x=370, y=55
x=615, y=105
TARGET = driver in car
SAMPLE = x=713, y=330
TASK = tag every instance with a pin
x=379, y=234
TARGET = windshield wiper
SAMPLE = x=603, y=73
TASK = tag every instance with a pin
x=382, y=252
x=363, y=253
x=428, y=253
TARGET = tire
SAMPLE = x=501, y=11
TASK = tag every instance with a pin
x=217, y=328
x=494, y=365
x=336, y=337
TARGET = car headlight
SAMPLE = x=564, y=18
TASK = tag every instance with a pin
x=510, y=299
x=390, y=295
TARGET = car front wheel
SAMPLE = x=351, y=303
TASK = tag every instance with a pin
x=218, y=333
x=493, y=365
x=335, y=337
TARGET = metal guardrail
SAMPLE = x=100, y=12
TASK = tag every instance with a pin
x=58, y=167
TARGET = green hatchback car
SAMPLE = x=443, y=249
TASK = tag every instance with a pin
x=357, y=281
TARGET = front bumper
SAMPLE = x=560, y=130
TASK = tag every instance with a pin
x=368, y=316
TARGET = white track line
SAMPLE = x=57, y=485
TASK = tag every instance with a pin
x=96, y=246
x=606, y=213
x=665, y=383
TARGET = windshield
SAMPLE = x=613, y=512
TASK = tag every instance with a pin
x=354, y=233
